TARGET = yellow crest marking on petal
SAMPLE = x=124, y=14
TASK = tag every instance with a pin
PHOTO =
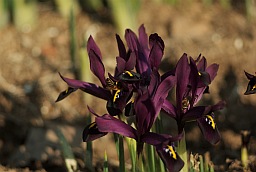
x=66, y=91
x=254, y=87
x=172, y=152
x=211, y=121
x=129, y=73
x=199, y=73
x=116, y=96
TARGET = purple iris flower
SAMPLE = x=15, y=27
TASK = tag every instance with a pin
x=192, y=79
x=251, y=87
x=147, y=106
x=144, y=54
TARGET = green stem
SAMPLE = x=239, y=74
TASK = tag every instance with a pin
x=182, y=151
x=140, y=167
x=151, y=158
x=132, y=150
x=89, y=150
x=121, y=154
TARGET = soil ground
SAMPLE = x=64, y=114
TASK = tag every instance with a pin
x=32, y=57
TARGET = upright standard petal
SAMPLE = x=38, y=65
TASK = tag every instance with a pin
x=143, y=40
x=145, y=112
x=121, y=48
x=96, y=64
x=182, y=77
x=156, y=50
x=142, y=64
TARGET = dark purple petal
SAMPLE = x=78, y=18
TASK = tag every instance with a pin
x=143, y=40
x=212, y=70
x=96, y=64
x=182, y=77
x=142, y=65
x=132, y=40
x=209, y=109
x=154, y=138
x=171, y=159
x=164, y=87
x=209, y=128
x=110, y=124
x=120, y=65
x=91, y=132
x=90, y=88
x=65, y=93
x=156, y=50
x=121, y=47
x=194, y=80
x=131, y=62
x=169, y=109
x=193, y=114
x=154, y=83
x=145, y=113
x=202, y=64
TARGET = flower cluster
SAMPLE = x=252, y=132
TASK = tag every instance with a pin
x=137, y=89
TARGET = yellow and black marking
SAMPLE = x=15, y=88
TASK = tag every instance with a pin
x=199, y=73
x=171, y=151
x=209, y=119
x=254, y=87
x=129, y=73
x=116, y=95
x=129, y=76
x=92, y=125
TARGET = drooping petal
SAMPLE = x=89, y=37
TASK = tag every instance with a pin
x=96, y=64
x=91, y=132
x=110, y=124
x=209, y=128
x=251, y=87
x=65, y=93
x=171, y=159
x=194, y=113
x=90, y=88
x=155, y=138
x=156, y=50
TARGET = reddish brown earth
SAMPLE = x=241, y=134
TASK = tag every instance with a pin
x=31, y=59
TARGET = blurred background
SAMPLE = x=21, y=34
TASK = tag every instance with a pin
x=39, y=38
